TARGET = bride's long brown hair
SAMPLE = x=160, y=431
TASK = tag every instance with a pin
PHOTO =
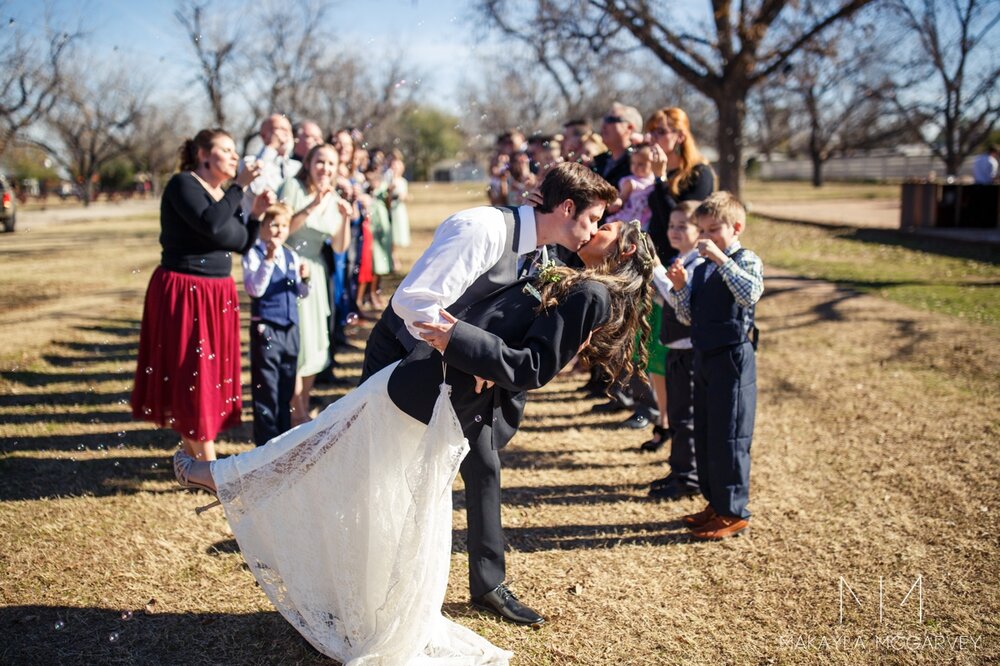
x=627, y=279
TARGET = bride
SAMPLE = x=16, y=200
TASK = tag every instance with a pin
x=345, y=521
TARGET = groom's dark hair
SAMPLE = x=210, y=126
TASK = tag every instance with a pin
x=576, y=182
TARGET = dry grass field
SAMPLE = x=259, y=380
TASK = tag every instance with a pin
x=875, y=491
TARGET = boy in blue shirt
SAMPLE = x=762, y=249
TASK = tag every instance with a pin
x=718, y=304
x=275, y=279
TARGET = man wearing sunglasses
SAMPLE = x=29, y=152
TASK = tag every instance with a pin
x=617, y=128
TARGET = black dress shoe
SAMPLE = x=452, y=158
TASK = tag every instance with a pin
x=501, y=601
x=660, y=437
x=608, y=407
x=672, y=492
x=665, y=481
x=635, y=422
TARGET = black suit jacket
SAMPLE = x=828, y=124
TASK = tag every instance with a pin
x=502, y=339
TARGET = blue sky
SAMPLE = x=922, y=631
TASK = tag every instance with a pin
x=433, y=35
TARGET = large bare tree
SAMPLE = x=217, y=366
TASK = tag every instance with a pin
x=32, y=67
x=280, y=65
x=836, y=99
x=94, y=122
x=160, y=129
x=948, y=91
x=740, y=45
x=214, y=32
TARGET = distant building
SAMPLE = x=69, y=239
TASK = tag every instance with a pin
x=450, y=171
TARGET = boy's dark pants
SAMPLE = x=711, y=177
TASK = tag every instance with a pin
x=274, y=355
x=725, y=399
x=680, y=415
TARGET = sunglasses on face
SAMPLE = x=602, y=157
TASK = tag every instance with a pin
x=611, y=120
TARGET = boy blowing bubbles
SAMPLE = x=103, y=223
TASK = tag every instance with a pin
x=274, y=278
x=719, y=306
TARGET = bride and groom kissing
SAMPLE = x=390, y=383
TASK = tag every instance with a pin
x=346, y=521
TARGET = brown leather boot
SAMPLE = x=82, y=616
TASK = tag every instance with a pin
x=696, y=520
x=721, y=527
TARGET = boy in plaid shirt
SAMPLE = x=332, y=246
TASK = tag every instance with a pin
x=719, y=306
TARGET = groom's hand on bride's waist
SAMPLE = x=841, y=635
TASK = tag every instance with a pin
x=436, y=334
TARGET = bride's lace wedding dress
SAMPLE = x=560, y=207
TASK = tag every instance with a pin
x=345, y=522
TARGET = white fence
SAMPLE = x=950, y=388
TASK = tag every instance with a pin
x=880, y=167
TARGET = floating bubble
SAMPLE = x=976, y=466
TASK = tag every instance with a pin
x=121, y=433
x=155, y=465
x=59, y=625
x=126, y=615
x=479, y=418
x=117, y=464
x=113, y=637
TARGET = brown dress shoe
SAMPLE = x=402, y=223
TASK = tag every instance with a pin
x=721, y=527
x=700, y=519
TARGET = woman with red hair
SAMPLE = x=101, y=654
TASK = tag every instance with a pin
x=682, y=174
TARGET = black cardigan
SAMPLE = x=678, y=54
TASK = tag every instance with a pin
x=198, y=234
x=662, y=204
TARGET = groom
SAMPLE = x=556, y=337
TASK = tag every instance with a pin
x=473, y=254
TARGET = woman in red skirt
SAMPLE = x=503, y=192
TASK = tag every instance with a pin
x=188, y=373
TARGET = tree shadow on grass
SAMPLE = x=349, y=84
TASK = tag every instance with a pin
x=939, y=245
x=25, y=479
x=562, y=460
x=98, y=441
x=101, y=636
x=587, y=537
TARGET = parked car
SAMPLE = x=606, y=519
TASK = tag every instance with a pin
x=8, y=205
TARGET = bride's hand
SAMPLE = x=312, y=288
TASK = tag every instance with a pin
x=437, y=335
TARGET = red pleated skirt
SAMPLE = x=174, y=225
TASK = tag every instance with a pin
x=188, y=374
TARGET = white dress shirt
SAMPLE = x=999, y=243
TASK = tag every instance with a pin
x=275, y=169
x=690, y=260
x=465, y=247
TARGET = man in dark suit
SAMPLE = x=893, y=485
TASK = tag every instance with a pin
x=475, y=254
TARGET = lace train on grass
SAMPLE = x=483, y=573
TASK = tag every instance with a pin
x=346, y=524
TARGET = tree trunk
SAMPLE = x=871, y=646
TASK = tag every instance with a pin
x=817, y=164
x=732, y=112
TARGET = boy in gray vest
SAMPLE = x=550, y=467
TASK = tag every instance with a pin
x=274, y=279
x=718, y=304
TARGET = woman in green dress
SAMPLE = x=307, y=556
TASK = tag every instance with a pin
x=399, y=193
x=320, y=214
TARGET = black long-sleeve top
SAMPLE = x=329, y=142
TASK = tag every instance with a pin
x=662, y=203
x=198, y=234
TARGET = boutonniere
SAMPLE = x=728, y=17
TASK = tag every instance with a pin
x=547, y=273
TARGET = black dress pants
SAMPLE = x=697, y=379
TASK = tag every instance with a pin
x=725, y=402
x=680, y=414
x=274, y=355
x=485, y=540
